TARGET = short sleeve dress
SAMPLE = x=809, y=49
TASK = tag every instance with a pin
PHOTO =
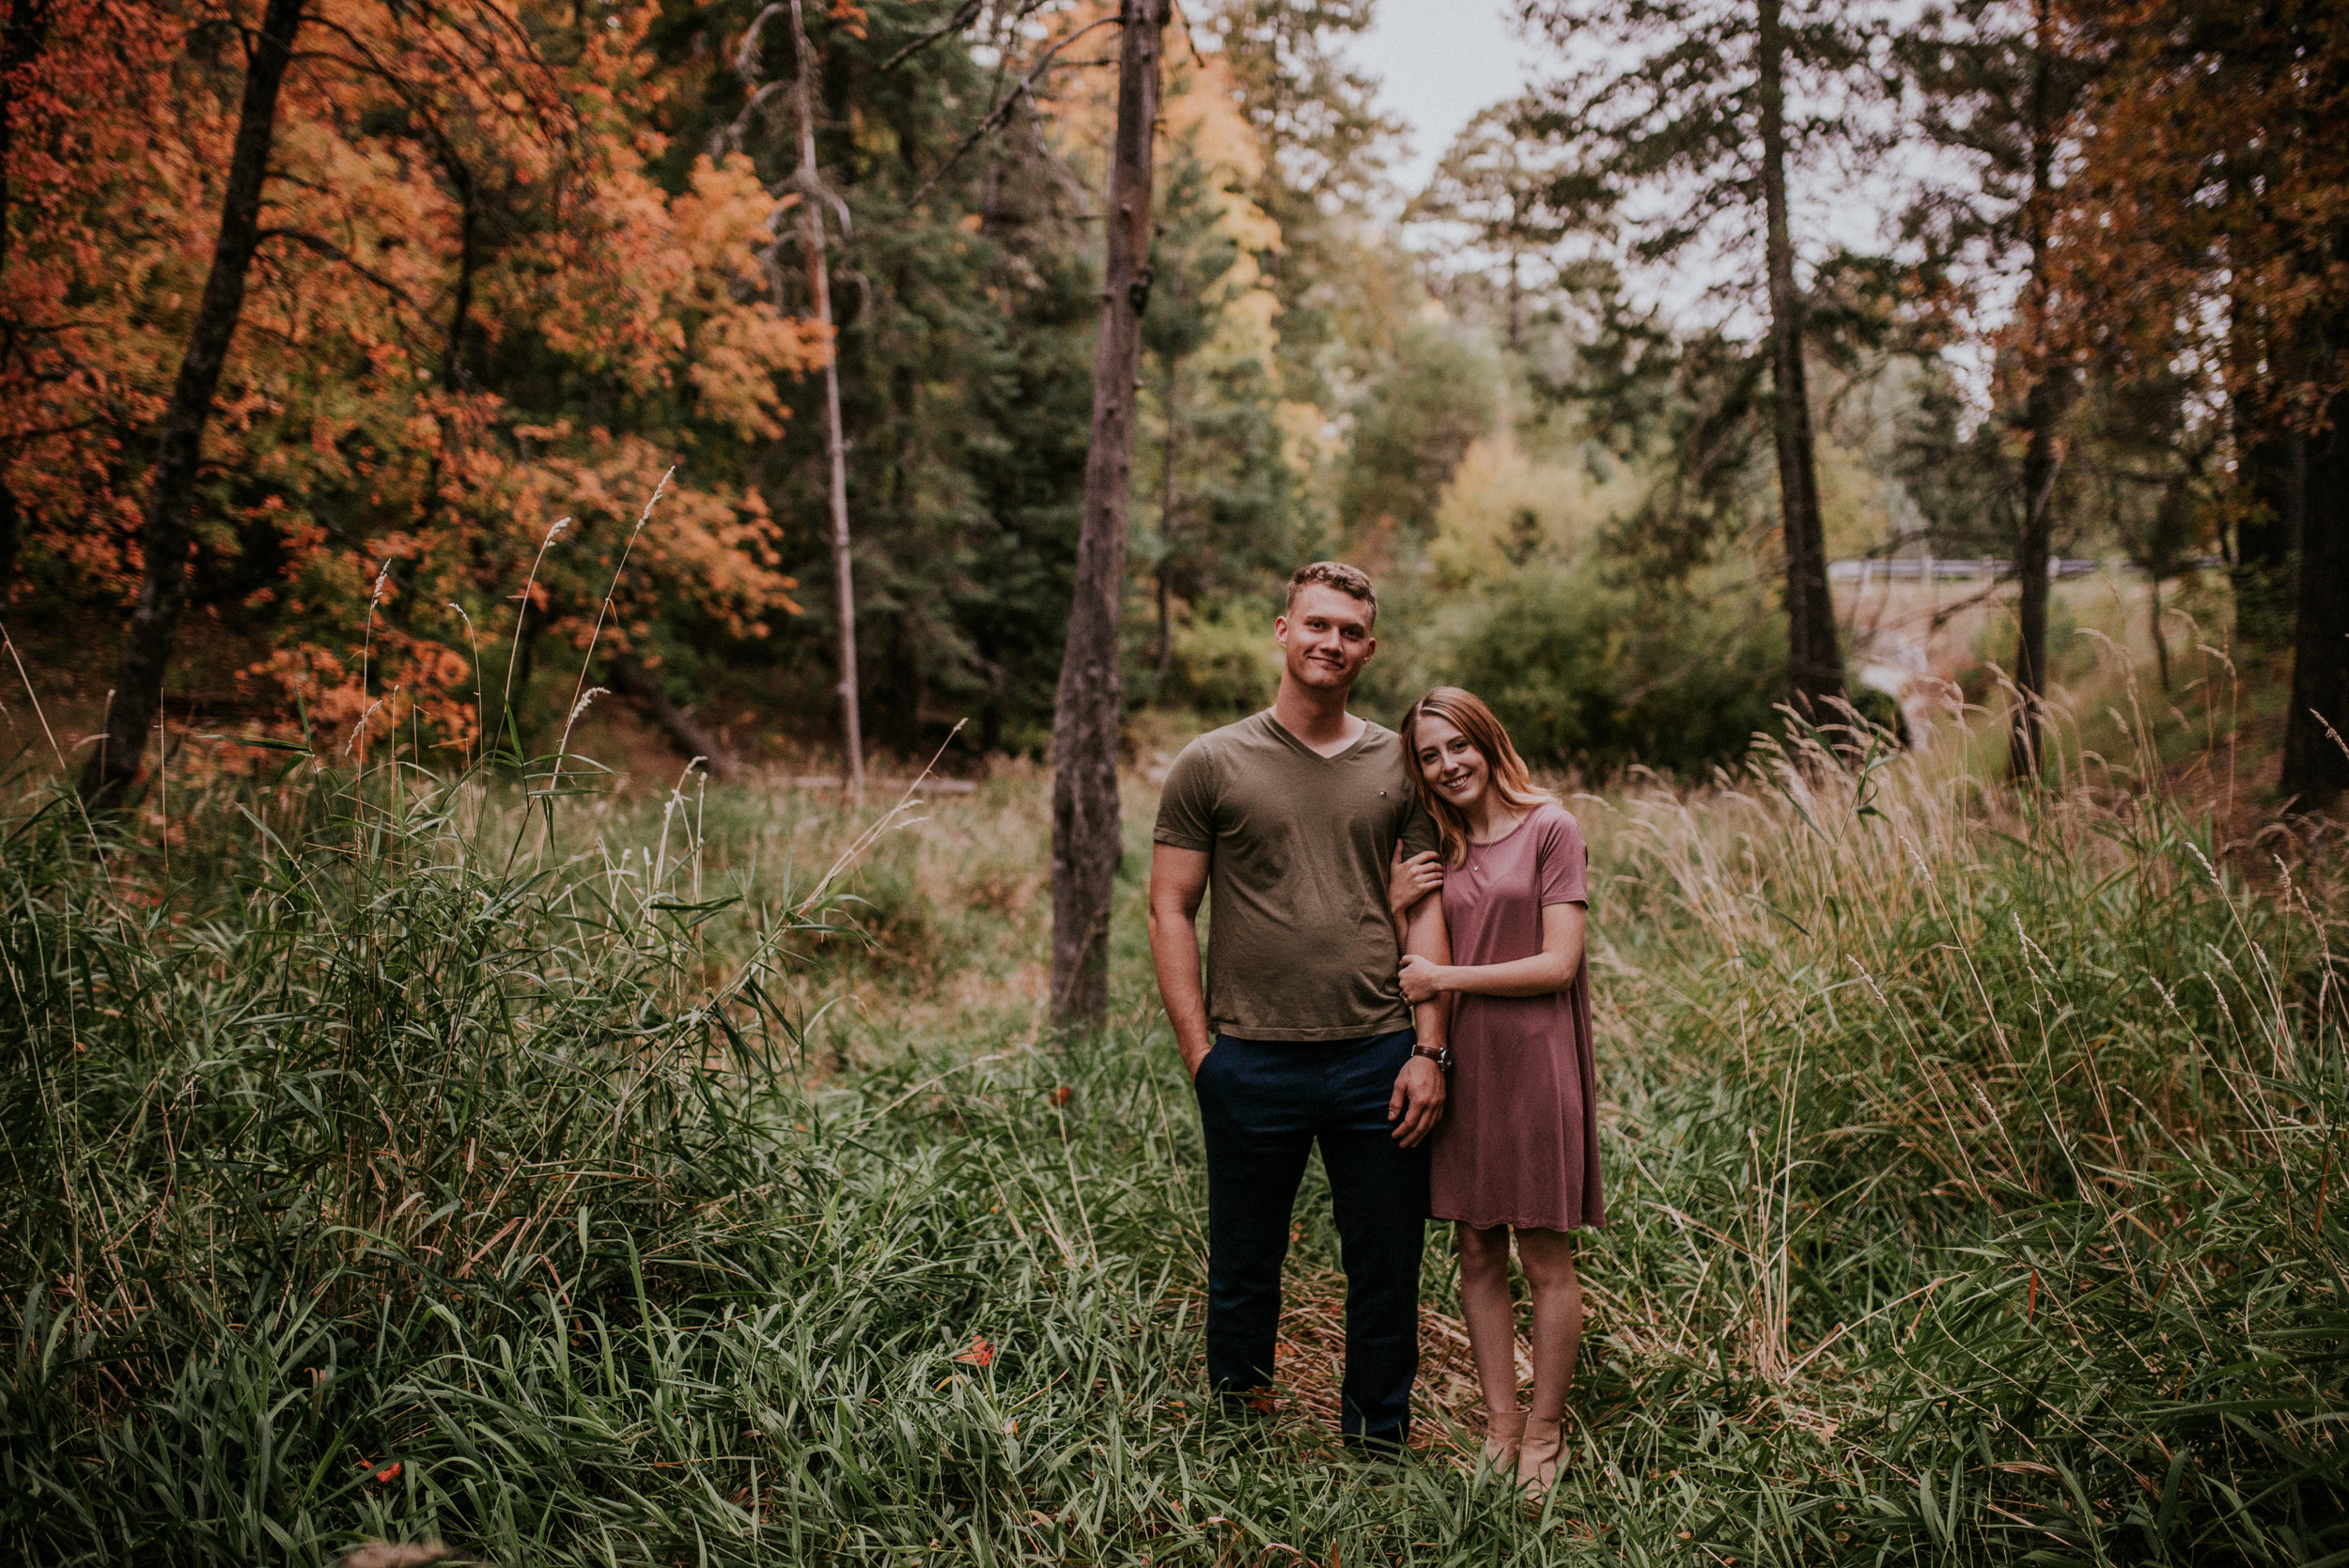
x=1519, y=1144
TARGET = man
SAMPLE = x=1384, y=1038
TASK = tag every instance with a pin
x=1301, y=1034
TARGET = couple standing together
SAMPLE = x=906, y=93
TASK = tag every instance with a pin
x=1395, y=972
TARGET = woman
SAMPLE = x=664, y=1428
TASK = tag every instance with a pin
x=1518, y=1148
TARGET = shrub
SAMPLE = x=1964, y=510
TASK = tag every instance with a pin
x=1583, y=675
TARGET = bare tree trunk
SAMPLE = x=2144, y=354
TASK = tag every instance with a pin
x=2271, y=477
x=1086, y=842
x=2161, y=643
x=1163, y=659
x=2041, y=459
x=1815, y=663
x=1517, y=306
x=166, y=536
x=819, y=276
x=2315, y=764
x=2272, y=470
x=2042, y=454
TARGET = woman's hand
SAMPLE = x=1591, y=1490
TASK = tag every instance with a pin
x=1408, y=881
x=1421, y=979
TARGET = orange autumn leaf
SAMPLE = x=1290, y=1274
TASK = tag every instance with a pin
x=980, y=1354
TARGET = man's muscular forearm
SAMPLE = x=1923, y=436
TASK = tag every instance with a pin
x=1174, y=954
x=1178, y=880
x=1428, y=936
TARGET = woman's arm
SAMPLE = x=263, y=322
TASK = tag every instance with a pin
x=1549, y=970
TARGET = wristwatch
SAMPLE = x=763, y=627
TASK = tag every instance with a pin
x=1439, y=1055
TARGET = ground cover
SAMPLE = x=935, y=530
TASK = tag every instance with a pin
x=590, y=1180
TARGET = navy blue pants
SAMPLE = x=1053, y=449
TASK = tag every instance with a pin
x=1264, y=1104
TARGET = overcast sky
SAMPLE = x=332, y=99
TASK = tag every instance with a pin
x=1439, y=62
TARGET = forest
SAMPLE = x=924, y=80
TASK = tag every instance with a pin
x=1729, y=293
x=597, y=597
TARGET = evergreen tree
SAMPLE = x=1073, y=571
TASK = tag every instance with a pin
x=1715, y=102
x=1326, y=152
x=1508, y=193
x=964, y=292
x=1218, y=496
x=2001, y=87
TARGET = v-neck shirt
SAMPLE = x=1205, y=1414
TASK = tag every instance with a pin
x=1300, y=945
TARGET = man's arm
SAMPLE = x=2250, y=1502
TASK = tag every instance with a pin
x=1417, y=1103
x=1178, y=878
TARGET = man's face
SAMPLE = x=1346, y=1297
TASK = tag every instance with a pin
x=1325, y=638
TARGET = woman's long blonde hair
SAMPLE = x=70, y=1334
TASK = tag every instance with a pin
x=1466, y=712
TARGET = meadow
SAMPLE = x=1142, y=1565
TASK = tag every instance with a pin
x=680, y=1176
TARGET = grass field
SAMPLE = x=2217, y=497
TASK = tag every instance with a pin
x=588, y=1180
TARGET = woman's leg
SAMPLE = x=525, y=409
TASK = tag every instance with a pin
x=1548, y=1259
x=1492, y=1319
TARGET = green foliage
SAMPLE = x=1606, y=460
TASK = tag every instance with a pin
x=1582, y=680
x=1216, y=520
x=1223, y=667
x=1439, y=392
x=966, y=315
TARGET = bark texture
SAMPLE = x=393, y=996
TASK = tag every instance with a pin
x=2042, y=417
x=2042, y=409
x=1814, y=663
x=165, y=536
x=2315, y=764
x=2273, y=471
x=811, y=197
x=1086, y=836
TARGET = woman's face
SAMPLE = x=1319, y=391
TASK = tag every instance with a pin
x=1454, y=770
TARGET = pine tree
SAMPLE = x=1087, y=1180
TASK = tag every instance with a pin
x=1218, y=495
x=1510, y=195
x=1716, y=103
x=2001, y=88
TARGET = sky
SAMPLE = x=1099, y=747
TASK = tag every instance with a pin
x=1439, y=62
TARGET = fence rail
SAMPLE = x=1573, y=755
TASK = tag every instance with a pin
x=1936, y=569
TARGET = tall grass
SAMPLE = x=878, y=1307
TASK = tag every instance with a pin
x=428, y=1163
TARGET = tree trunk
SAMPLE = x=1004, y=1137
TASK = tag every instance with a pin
x=2272, y=472
x=1165, y=657
x=1815, y=663
x=1086, y=838
x=2042, y=412
x=2043, y=415
x=166, y=535
x=2316, y=764
x=836, y=448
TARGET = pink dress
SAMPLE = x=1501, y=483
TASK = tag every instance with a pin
x=1519, y=1144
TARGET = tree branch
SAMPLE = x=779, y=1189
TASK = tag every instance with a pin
x=1003, y=110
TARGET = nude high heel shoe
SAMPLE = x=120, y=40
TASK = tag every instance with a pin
x=1503, y=1431
x=1537, y=1457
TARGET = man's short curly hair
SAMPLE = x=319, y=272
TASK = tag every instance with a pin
x=1350, y=581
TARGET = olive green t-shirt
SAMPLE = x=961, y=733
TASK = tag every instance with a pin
x=1299, y=942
